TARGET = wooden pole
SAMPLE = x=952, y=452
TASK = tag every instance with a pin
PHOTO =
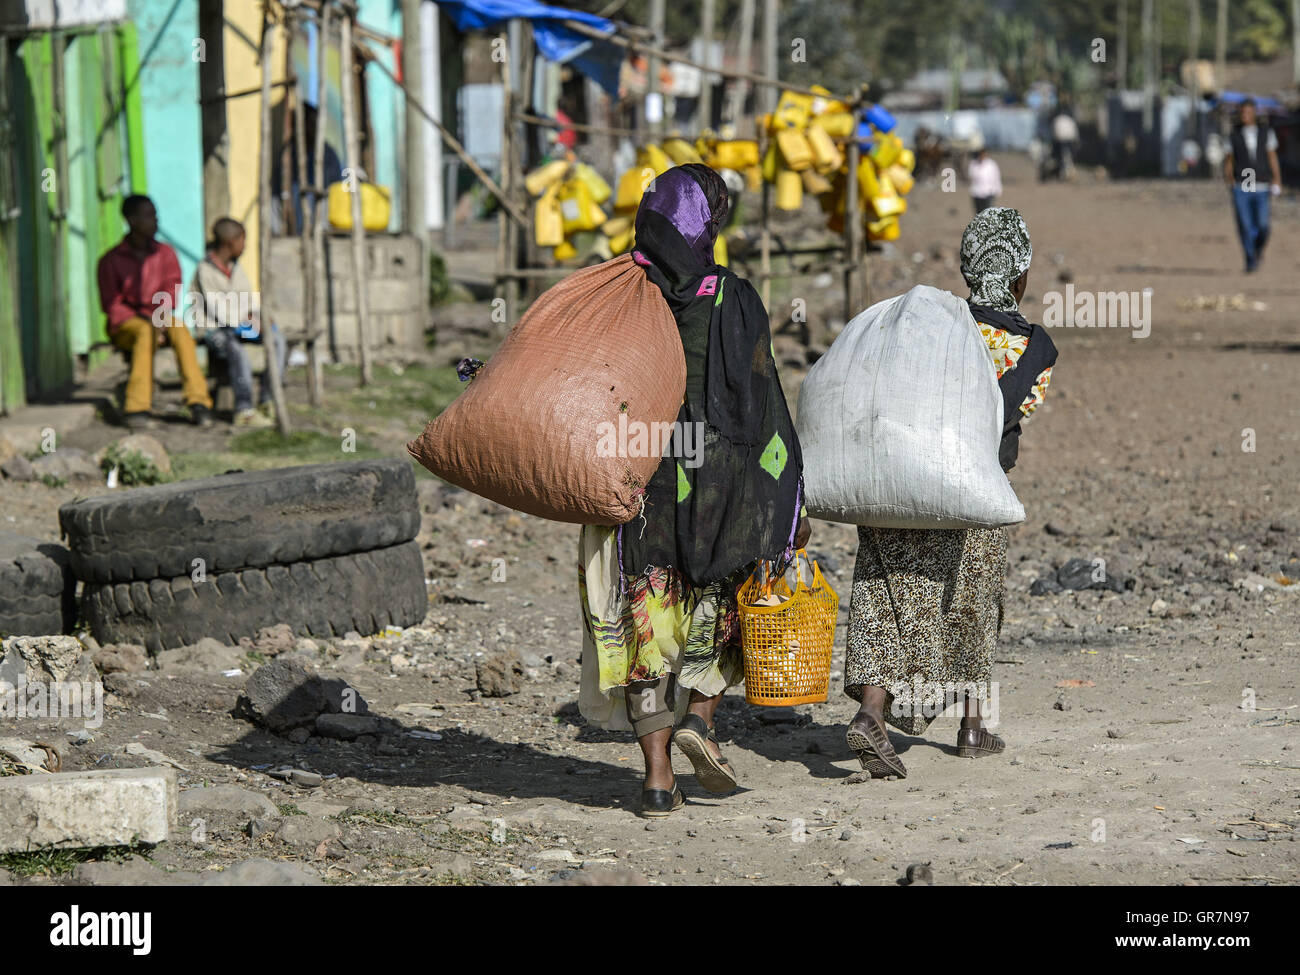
x=740, y=87
x=1220, y=44
x=320, y=283
x=771, y=58
x=264, y=228
x=413, y=76
x=1295, y=41
x=1148, y=65
x=431, y=93
x=307, y=229
x=1121, y=55
x=852, y=235
x=706, y=79
x=1193, y=55
x=653, y=93
x=525, y=250
x=507, y=287
x=288, y=218
x=765, y=246
x=352, y=177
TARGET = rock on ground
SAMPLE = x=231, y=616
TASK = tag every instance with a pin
x=46, y=659
x=229, y=799
x=499, y=674
x=286, y=694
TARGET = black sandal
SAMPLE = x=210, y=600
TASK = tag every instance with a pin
x=692, y=737
x=870, y=743
x=658, y=803
x=978, y=743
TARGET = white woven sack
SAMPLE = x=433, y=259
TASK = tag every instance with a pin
x=900, y=421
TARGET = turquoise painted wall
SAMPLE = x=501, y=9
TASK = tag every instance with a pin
x=168, y=83
x=387, y=106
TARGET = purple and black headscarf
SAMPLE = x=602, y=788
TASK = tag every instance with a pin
x=679, y=219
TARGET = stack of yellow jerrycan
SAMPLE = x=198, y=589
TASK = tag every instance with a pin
x=803, y=149
x=570, y=195
x=655, y=159
x=805, y=155
x=569, y=202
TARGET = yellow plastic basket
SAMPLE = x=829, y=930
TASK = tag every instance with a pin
x=788, y=646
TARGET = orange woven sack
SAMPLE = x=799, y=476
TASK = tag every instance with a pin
x=788, y=635
x=599, y=352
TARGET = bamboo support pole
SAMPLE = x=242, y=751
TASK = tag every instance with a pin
x=264, y=227
x=352, y=178
x=320, y=282
x=307, y=229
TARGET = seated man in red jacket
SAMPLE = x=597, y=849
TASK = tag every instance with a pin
x=139, y=290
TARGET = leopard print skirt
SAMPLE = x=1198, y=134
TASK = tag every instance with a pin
x=924, y=617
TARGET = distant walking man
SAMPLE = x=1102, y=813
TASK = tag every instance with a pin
x=1253, y=154
x=139, y=284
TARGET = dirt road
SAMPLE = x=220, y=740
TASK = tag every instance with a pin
x=1169, y=757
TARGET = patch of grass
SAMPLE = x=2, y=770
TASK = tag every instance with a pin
x=299, y=443
x=256, y=450
x=381, y=416
x=412, y=394
x=58, y=863
x=439, y=280
x=289, y=809
x=133, y=467
x=381, y=817
x=453, y=880
x=54, y=481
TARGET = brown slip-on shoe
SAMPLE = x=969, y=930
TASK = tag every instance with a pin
x=870, y=743
x=978, y=743
x=691, y=738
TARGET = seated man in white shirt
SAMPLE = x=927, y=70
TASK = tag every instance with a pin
x=228, y=313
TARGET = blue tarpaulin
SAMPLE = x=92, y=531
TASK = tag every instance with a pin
x=1262, y=102
x=556, y=42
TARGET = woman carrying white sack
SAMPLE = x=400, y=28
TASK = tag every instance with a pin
x=926, y=606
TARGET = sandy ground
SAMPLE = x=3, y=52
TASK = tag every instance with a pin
x=1148, y=771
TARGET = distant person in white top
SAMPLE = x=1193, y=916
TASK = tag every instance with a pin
x=1065, y=136
x=1253, y=174
x=985, y=180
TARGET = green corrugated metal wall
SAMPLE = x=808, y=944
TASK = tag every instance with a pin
x=76, y=148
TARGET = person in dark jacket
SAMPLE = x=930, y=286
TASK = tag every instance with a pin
x=1253, y=175
x=926, y=605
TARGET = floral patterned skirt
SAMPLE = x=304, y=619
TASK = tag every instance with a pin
x=924, y=616
x=659, y=625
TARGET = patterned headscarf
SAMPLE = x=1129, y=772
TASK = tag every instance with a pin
x=995, y=250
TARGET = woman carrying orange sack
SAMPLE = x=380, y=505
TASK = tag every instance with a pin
x=662, y=641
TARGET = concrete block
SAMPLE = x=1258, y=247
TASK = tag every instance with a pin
x=67, y=810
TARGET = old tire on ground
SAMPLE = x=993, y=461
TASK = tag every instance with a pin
x=242, y=521
x=366, y=592
x=37, y=589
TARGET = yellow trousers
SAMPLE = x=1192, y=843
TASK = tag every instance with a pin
x=138, y=336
